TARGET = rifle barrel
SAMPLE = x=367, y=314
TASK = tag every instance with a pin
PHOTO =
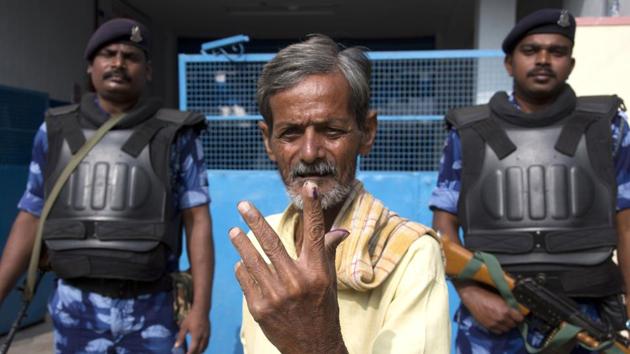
x=14, y=327
x=26, y=301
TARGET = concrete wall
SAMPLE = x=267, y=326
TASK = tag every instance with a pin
x=165, y=84
x=457, y=31
x=493, y=20
x=42, y=44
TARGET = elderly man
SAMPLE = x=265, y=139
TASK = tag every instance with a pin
x=535, y=178
x=113, y=235
x=336, y=272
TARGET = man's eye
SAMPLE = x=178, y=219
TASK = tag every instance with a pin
x=289, y=134
x=106, y=54
x=559, y=52
x=528, y=50
x=334, y=133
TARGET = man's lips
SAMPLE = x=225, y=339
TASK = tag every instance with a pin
x=542, y=74
x=117, y=77
x=314, y=177
x=308, y=176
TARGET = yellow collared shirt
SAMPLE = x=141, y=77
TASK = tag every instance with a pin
x=408, y=313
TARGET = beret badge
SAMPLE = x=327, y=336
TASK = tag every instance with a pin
x=136, y=36
x=563, y=20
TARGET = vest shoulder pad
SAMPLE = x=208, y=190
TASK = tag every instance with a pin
x=606, y=106
x=61, y=110
x=465, y=116
x=177, y=117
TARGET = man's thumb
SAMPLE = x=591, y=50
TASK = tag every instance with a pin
x=333, y=238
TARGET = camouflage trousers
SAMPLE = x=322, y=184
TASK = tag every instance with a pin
x=87, y=323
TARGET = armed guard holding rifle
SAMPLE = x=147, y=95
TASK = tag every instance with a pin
x=541, y=179
x=113, y=181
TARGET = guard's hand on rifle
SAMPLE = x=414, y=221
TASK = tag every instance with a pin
x=489, y=308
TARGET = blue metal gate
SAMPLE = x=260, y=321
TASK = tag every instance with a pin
x=21, y=113
x=411, y=92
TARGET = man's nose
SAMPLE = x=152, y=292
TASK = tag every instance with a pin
x=312, y=148
x=118, y=60
x=542, y=57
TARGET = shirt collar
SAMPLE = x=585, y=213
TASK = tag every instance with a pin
x=100, y=109
x=512, y=100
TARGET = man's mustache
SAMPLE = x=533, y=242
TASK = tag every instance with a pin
x=541, y=71
x=321, y=168
x=117, y=72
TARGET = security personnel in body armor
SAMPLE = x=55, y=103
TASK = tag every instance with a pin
x=114, y=233
x=540, y=179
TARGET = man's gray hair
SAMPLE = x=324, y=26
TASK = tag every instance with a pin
x=319, y=54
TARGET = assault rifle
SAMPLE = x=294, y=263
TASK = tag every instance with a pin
x=554, y=310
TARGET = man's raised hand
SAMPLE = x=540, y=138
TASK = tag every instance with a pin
x=293, y=301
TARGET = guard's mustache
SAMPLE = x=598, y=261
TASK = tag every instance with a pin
x=541, y=71
x=322, y=168
x=117, y=72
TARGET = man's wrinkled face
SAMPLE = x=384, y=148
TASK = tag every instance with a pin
x=119, y=72
x=540, y=64
x=316, y=137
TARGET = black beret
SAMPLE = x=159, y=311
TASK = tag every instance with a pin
x=542, y=21
x=118, y=30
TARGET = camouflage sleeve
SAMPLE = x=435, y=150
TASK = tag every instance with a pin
x=32, y=200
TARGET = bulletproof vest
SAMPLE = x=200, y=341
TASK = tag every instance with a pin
x=115, y=216
x=538, y=189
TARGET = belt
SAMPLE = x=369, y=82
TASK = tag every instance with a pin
x=121, y=288
x=584, y=281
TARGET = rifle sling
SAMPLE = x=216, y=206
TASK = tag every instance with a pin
x=29, y=289
x=470, y=269
x=496, y=274
x=568, y=331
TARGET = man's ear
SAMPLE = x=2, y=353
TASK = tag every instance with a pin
x=89, y=69
x=507, y=63
x=265, y=131
x=368, y=133
x=572, y=65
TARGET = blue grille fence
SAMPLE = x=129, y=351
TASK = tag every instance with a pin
x=411, y=92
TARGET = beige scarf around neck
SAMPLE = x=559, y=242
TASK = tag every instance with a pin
x=378, y=239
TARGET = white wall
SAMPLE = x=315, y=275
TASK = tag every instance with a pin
x=607, y=71
x=596, y=8
x=42, y=42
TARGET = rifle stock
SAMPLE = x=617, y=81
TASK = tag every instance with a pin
x=456, y=259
